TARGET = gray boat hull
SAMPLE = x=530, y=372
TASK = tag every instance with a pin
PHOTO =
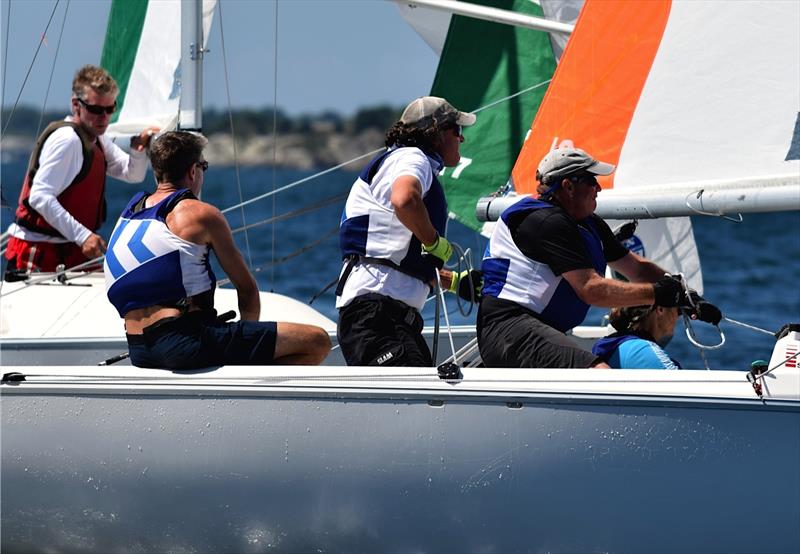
x=349, y=469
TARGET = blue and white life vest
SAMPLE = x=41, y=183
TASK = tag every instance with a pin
x=511, y=275
x=147, y=264
x=372, y=231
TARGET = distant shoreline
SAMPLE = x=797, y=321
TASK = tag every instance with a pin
x=301, y=142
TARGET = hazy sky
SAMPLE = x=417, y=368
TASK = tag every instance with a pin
x=332, y=54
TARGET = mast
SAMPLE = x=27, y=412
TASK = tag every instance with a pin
x=191, y=100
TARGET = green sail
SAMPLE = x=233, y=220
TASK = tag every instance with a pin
x=483, y=63
x=125, y=23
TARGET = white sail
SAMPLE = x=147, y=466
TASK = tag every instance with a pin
x=153, y=84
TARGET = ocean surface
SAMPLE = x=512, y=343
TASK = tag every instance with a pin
x=750, y=269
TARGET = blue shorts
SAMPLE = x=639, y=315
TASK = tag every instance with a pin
x=197, y=340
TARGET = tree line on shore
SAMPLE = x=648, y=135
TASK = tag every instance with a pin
x=246, y=121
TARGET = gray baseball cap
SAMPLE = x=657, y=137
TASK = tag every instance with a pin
x=426, y=110
x=563, y=162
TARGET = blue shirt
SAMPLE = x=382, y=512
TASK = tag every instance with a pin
x=633, y=352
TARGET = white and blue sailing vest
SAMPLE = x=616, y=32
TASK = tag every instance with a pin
x=147, y=264
x=511, y=275
x=374, y=232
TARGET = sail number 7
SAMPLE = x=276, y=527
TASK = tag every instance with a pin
x=462, y=165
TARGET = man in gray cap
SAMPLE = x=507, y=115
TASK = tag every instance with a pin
x=545, y=265
x=392, y=237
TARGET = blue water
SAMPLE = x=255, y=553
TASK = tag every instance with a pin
x=750, y=269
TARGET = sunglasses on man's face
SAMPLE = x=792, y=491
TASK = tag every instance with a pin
x=97, y=110
x=587, y=179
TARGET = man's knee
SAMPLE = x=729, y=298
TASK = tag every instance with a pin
x=319, y=343
x=298, y=339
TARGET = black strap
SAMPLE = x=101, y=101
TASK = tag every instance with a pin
x=351, y=262
x=354, y=258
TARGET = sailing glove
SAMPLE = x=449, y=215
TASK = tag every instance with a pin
x=669, y=292
x=467, y=284
x=441, y=250
x=704, y=310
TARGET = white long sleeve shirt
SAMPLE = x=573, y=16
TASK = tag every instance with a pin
x=59, y=163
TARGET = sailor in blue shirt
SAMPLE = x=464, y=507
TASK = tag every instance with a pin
x=642, y=332
x=159, y=278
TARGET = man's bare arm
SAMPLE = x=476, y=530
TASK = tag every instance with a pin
x=637, y=268
x=608, y=293
x=410, y=208
x=202, y=223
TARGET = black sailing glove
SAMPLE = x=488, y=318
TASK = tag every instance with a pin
x=467, y=285
x=669, y=292
x=703, y=309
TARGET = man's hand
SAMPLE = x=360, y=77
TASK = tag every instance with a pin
x=142, y=141
x=467, y=284
x=668, y=292
x=93, y=247
x=439, y=249
x=703, y=310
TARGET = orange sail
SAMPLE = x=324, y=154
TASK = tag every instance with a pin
x=597, y=84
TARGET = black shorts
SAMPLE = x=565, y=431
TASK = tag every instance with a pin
x=196, y=340
x=511, y=336
x=377, y=330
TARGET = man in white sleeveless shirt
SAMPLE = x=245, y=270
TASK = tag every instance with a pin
x=159, y=278
x=392, y=237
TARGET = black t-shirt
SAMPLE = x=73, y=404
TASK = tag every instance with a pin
x=551, y=236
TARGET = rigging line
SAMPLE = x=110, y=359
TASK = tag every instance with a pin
x=746, y=326
x=776, y=366
x=52, y=70
x=510, y=96
x=30, y=68
x=293, y=213
x=5, y=53
x=207, y=380
x=304, y=180
x=274, y=139
x=54, y=276
x=275, y=262
x=233, y=135
x=357, y=158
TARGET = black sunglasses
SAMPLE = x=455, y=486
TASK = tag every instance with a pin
x=202, y=165
x=97, y=110
x=585, y=179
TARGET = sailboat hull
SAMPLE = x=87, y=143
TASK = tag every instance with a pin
x=347, y=465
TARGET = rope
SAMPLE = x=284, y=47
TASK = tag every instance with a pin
x=201, y=380
x=30, y=68
x=776, y=366
x=274, y=139
x=5, y=53
x=510, y=96
x=303, y=180
x=294, y=213
x=273, y=262
x=52, y=71
x=361, y=157
x=746, y=326
x=233, y=134
x=51, y=276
